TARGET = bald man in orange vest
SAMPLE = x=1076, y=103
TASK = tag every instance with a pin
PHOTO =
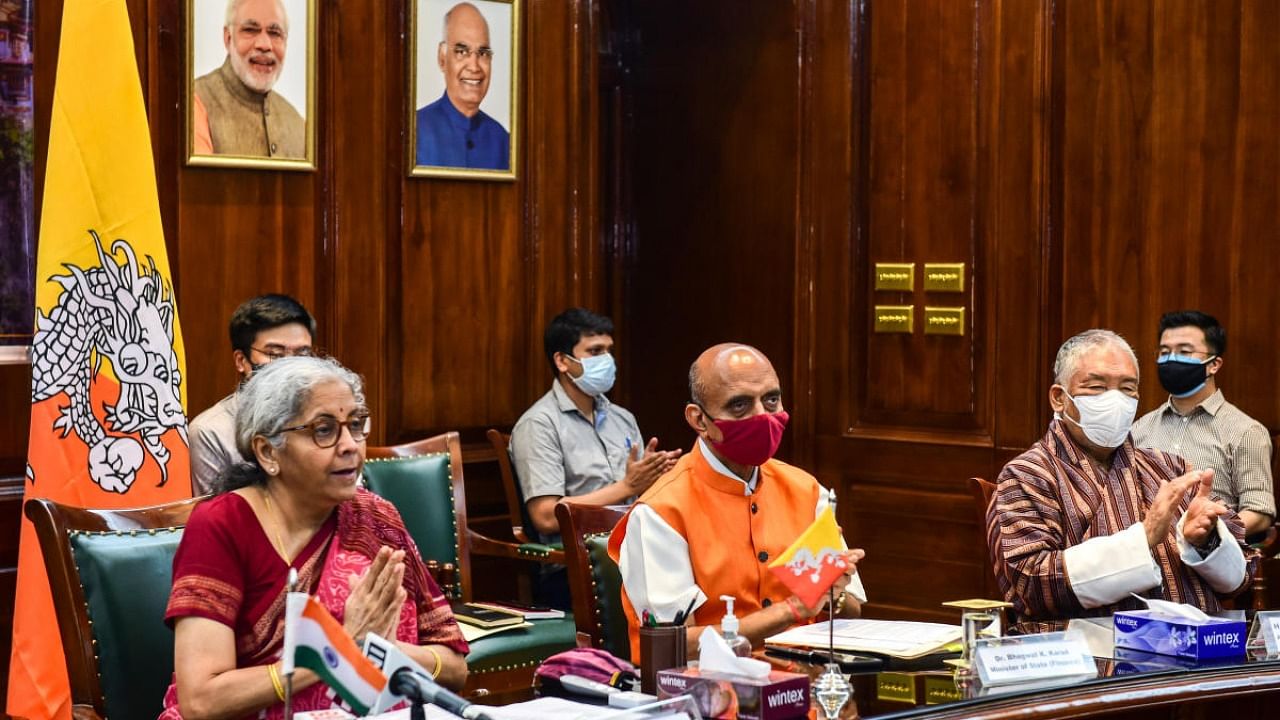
x=711, y=525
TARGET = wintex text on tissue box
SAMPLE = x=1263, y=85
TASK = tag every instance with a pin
x=1153, y=632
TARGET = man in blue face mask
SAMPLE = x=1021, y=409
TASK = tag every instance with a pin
x=1084, y=519
x=1199, y=424
x=573, y=442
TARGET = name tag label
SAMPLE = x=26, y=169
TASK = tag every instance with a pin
x=1034, y=662
x=1266, y=631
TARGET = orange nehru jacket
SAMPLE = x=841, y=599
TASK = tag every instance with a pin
x=732, y=537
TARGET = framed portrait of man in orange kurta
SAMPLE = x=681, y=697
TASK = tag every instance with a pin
x=251, y=83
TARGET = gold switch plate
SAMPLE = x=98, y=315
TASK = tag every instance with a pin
x=896, y=276
x=896, y=687
x=894, y=318
x=944, y=277
x=944, y=321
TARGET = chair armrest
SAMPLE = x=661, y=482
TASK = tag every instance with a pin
x=1269, y=545
x=485, y=545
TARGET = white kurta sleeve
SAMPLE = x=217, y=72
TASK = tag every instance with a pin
x=854, y=587
x=655, y=567
x=1104, y=570
x=1224, y=569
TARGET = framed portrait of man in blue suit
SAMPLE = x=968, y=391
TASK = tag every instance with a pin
x=464, y=89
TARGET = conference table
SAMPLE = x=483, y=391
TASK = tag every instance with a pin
x=1239, y=690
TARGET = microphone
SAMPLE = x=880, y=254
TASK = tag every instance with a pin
x=410, y=681
x=419, y=687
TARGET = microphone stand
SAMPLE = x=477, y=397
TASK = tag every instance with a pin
x=832, y=689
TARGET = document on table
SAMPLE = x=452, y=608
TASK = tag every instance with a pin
x=895, y=638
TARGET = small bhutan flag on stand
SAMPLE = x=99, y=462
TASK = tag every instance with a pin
x=814, y=561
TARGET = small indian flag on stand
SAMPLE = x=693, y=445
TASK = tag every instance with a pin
x=814, y=561
x=313, y=639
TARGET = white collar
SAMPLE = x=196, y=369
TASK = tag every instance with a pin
x=714, y=462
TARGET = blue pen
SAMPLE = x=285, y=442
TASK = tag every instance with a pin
x=628, y=445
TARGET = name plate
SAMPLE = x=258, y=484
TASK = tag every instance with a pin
x=1266, y=632
x=1007, y=664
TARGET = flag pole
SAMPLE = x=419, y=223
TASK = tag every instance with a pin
x=290, y=584
x=831, y=605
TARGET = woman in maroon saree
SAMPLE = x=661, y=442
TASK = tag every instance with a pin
x=296, y=505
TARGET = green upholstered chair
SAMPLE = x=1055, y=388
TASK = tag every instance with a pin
x=424, y=480
x=110, y=573
x=593, y=576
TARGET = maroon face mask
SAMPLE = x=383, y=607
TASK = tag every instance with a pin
x=751, y=441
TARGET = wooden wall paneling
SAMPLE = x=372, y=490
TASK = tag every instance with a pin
x=365, y=131
x=1170, y=156
x=829, y=48
x=921, y=191
x=563, y=248
x=950, y=134
x=713, y=169
x=484, y=265
x=1017, y=105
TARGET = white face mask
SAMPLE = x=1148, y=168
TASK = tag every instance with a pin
x=1106, y=418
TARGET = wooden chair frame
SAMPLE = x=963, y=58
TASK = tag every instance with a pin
x=499, y=682
x=501, y=443
x=446, y=444
x=577, y=522
x=53, y=524
x=982, y=491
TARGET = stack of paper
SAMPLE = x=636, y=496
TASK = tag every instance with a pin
x=894, y=638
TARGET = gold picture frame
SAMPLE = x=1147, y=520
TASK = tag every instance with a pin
x=459, y=137
x=224, y=127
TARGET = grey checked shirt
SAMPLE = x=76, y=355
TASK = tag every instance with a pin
x=1216, y=434
x=558, y=451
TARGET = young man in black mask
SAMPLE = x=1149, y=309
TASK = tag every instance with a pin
x=1200, y=425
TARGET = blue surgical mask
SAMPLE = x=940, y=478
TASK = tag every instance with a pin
x=598, y=373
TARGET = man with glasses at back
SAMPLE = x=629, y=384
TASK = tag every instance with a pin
x=1198, y=423
x=453, y=131
x=263, y=329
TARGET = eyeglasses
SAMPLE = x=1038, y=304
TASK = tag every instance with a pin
x=461, y=52
x=325, y=431
x=278, y=354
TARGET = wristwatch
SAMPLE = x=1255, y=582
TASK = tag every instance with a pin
x=1207, y=549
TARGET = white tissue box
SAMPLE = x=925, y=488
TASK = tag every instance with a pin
x=1151, y=632
x=775, y=697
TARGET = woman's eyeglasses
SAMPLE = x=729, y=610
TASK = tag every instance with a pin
x=325, y=431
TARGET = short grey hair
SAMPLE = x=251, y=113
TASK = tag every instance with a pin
x=1064, y=365
x=234, y=5
x=278, y=391
x=448, y=17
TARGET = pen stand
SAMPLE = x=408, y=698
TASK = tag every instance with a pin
x=661, y=647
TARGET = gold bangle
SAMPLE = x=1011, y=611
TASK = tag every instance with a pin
x=275, y=680
x=839, y=606
x=435, y=672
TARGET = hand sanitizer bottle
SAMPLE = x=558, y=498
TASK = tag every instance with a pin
x=729, y=629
